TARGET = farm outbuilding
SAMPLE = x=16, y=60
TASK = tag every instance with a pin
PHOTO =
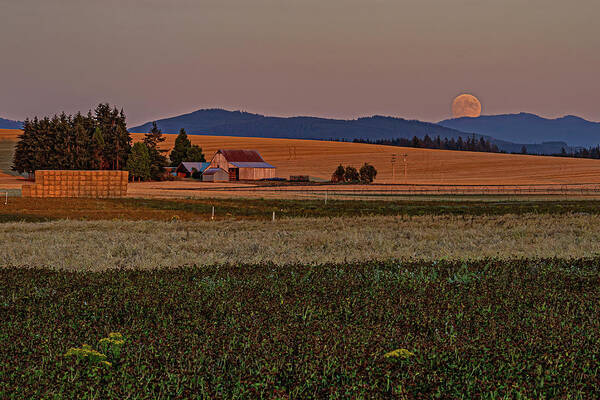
x=243, y=165
x=215, y=175
x=185, y=169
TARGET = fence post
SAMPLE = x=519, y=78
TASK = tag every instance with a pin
x=273, y=216
x=212, y=217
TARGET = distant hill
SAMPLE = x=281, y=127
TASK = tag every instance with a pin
x=8, y=124
x=531, y=128
x=236, y=123
x=221, y=122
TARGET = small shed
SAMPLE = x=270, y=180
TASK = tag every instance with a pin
x=171, y=171
x=185, y=169
x=243, y=164
x=215, y=175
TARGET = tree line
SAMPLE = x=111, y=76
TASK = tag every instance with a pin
x=583, y=152
x=93, y=141
x=468, y=144
x=98, y=140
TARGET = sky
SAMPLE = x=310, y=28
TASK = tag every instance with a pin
x=330, y=58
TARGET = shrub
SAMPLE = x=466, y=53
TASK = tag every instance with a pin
x=351, y=174
x=367, y=173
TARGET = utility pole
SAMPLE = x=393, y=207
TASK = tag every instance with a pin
x=394, y=168
x=405, y=167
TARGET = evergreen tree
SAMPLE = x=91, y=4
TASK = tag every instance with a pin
x=523, y=150
x=98, y=144
x=24, y=156
x=194, y=154
x=81, y=145
x=117, y=141
x=158, y=161
x=181, y=148
x=138, y=162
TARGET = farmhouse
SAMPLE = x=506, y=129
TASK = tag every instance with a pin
x=242, y=165
x=185, y=169
x=215, y=175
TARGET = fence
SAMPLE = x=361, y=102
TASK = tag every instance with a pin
x=391, y=191
x=61, y=183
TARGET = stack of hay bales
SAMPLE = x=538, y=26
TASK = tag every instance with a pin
x=61, y=183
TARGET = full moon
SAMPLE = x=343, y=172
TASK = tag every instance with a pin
x=466, y=105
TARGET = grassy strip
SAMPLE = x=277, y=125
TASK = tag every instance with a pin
x=341, y=208
x=153, y=209
x=485, y=329
x=98, y=245
x=4, y=218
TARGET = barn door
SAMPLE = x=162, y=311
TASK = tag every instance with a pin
x=234, y=174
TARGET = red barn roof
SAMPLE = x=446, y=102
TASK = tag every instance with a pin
x=242, y=156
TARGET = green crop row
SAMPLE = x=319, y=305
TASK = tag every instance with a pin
x=487, y=329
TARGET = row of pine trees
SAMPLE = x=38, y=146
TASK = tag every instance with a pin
x=97, y=141
x=93, y=141
x=468, y=144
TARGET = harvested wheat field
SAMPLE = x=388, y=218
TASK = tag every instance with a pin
x=319, y=158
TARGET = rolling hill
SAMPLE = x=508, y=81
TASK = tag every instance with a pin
x=220, y=122
x=319, y=159
x=530, y=128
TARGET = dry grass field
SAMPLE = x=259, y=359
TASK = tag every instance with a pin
x=87, y=245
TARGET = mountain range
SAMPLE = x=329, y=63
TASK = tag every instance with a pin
x=221, y=122
x=510, y=132
x=525, y=127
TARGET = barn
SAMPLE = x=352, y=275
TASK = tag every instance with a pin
x=185, y=169
x=243, y=165
x=215, y=175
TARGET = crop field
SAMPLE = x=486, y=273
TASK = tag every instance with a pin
x=525, y=328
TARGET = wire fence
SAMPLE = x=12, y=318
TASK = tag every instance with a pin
x=383, y=191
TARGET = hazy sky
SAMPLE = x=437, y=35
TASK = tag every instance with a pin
x=335, y=58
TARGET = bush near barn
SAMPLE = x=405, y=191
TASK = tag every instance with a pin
x=485, y=329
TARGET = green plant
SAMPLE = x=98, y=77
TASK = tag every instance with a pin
x=85, y=352
x=111, y=349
